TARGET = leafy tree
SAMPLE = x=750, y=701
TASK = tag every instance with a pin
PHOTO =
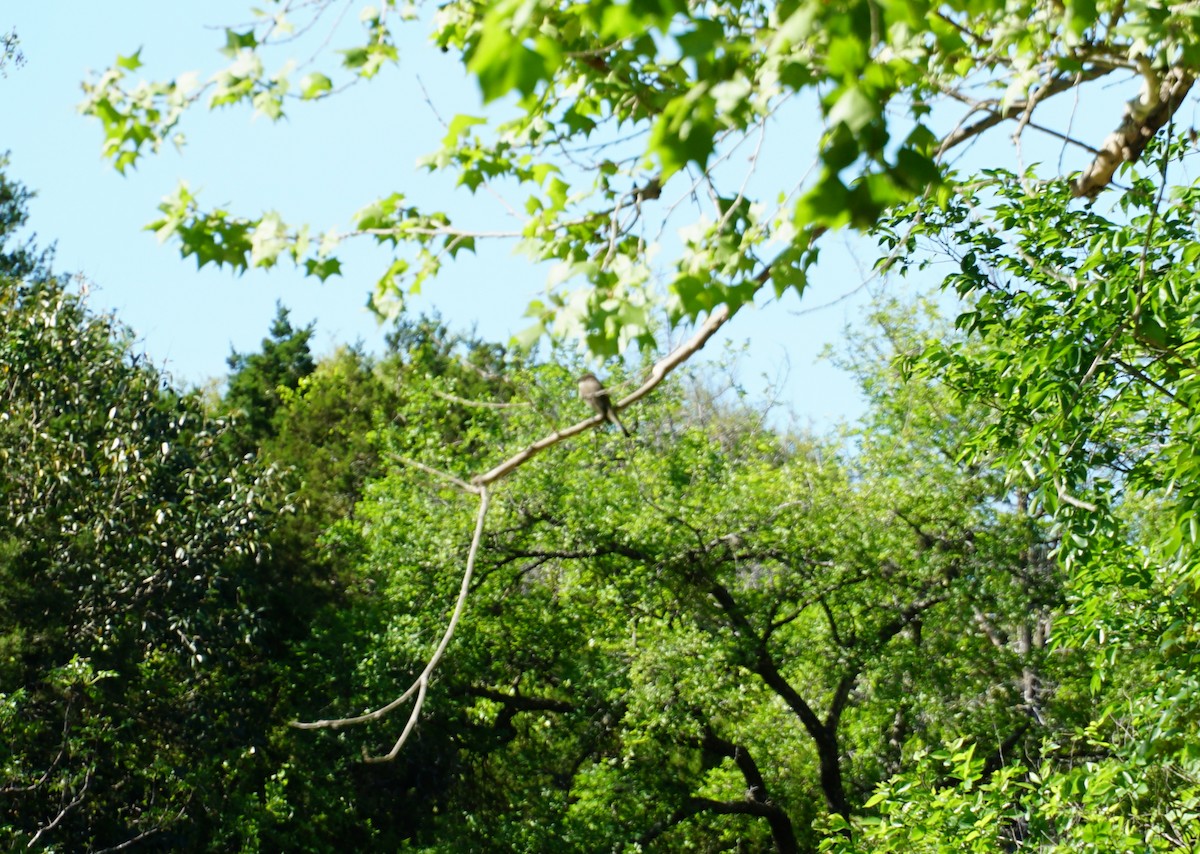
x=323, y=430
x=130, y=579
x=324, y=440
x=319, y=422
x=1082, y=329
x=683, y=639
x=609, y=117
x=18, y=260
x=617, y=121
x=258, y=381
x=153, y=622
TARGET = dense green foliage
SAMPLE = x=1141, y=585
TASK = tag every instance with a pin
x=966, y=623
x=132, y=583
x=711, y=635
x=1082, y=342
x=258, y=381
x=682, y=640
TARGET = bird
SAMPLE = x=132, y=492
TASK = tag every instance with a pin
x=597, y=397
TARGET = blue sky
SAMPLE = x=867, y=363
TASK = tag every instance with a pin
x=319, y=165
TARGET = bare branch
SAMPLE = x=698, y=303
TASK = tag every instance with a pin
x=63, y=813
x=461, y=484
x=484, y=404
x=1078, y=503
x=657, y=374
x=995, y=115
x=134, y=840
x=421, y=683
x=478, y=486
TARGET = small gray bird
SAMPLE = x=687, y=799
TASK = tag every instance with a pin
x=597, y=398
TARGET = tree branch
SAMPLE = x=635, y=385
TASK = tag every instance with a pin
x=995, y=116
x=421, y=683
x=1144, y=116
x=62, y=813
x=756, y=789
x=483, y=404
x=657, y=374
x=478, y=486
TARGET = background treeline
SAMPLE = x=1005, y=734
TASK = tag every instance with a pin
x=721, y=634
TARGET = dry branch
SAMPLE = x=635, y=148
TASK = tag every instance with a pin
x=478, y=486
x=995, y=115
x=422, y=682
x=483, y=404
x=657, y=373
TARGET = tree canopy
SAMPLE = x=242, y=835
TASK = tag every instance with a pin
x=615, y=125
x=966, y=622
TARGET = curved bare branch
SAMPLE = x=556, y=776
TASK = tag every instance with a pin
x=419, y=685
x=478, y=486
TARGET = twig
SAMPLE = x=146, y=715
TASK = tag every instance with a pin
x=1061, y=84
x=461, y=484
x=486, y=404
x=1066, y=498
x=63, y=813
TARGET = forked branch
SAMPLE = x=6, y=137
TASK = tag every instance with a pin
x=479, y=486
x=1144, y=116
x=421, y=683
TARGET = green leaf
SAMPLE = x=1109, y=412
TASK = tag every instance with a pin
x=685, y=132
x=695, y=295
x=501, y=66
x=528, y=337
x=854, y=108
x=355, y=57
x=619, y=21
x=700, y=42
x=458, y=243
x=132, y=62
x=826, y=204
x=1081, y=16
x=846, y=57
x=458, y=127
x=322, y=268
x=314, y=86
x=235, y=42
x=795, y=29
